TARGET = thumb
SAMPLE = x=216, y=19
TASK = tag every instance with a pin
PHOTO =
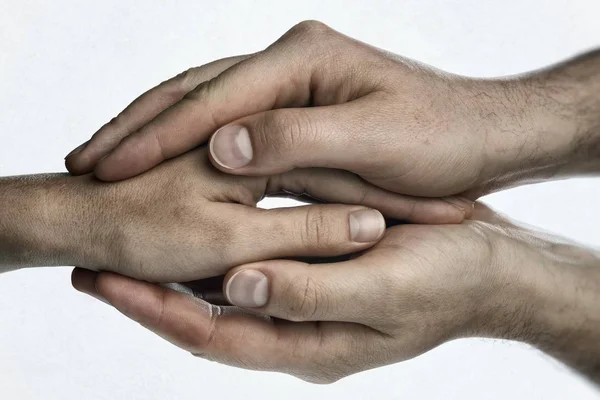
x=349, y=291
x=277, y=141
x=319, y=230
x=278, y=77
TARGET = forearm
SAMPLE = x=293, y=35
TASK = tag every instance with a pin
x=40, y=223
x=552, y=304
x=571, y=92
x=547, y=124
x=566, y=320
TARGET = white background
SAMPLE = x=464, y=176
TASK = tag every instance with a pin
x=66, y=67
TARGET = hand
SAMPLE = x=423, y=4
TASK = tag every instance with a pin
x=186, y=220
x=318, y=98
x=419, y=287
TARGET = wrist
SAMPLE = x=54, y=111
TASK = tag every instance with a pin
x=544, y=126
x=83, y=221
x=45, y=221
x=550, y=301
x=30, y=224
x=574, y=88
x=565, y=321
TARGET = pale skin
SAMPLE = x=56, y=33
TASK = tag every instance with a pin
x=401, y=127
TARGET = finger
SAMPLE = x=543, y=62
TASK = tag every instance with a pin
x=141, y=111
x=211, y=296
x=212, y=283
x=349, y=291
x=314, y=230
x=282, y=140
x=276, y=141
x=85, y=281
x=233, y=337
x=339, y=186
x=209, y=289
x=281, y=76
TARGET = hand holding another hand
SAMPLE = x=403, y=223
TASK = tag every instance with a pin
x=419, y=287
x=316, y=98
x=185, y=220
x=349, y=123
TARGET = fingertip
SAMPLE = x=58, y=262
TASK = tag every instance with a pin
x=247, y=288
x=230, y=160
x=469, y=210
x=76, y=162
x=463, y=205
x=85, y=281
x=366, y=225
x=76, y=165
x=249, y=285
x=231, y=147
x=233, y=271
x=77, y=150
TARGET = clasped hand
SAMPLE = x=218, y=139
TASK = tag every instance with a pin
x=321, y=114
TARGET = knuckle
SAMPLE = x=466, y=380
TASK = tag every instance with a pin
x=159, y=317
x=309, y=28
x=200, y=96
x=320, y=378
x=314, y=38
x=123, y=252
x=364, y=193
x=324, y=371
x=284, y=132
x=301, y=299
x=119, y=122
x=188, y=79
x=200, y=92
x=203, y=344
x=317, y=233
x=162, y=149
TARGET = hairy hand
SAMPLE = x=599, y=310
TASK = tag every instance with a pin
x=417, y=288
x=316, y=98
x=186, y=220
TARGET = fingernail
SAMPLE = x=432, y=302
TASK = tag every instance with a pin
x=461, y=203
x=230, y=146
x=78, y=149
x=248, y=288
x=366, y=225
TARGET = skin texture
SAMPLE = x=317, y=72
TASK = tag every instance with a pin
x=316, y=98
x=185, y=220
x=419, y=287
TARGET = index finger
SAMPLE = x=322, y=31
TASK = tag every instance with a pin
x=233, y=336
x=142, y=110
x=280, y=76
